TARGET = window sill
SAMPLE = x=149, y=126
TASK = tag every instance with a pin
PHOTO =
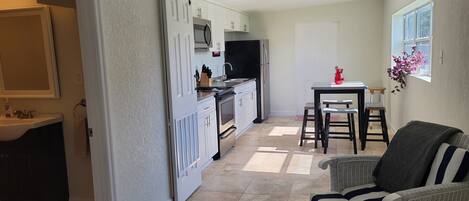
x=425, y=78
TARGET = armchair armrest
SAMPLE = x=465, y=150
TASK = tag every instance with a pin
x=442, y=192
x=350, y=171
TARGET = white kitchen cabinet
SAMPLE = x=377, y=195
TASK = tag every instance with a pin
x=245, y=106
x=200, y=9
x=208, y=134
x=232, y=20
x=216, y=14
x=244, y=23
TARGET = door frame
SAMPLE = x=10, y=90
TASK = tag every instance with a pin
x=96, y=90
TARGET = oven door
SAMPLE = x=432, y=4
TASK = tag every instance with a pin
x=202, y=34
x=226, y=114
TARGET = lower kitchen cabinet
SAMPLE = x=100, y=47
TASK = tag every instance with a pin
x=245, y=106
x=208, y=133
x=33, y=168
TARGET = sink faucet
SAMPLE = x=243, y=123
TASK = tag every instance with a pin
x=224, y=71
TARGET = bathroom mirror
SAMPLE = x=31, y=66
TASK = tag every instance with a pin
x=27, y=59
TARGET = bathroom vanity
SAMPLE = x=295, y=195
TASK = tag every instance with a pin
x=32, y=164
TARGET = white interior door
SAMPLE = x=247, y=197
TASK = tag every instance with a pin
x=316, y=50
x=179, y=35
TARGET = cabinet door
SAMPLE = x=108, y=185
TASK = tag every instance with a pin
x=200, y=9
x=232, y=20
x=217, y=15
x=253, y=109
x=244, y=23
x=202, y=127
x=212, y=135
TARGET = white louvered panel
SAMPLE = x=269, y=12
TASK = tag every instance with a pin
x=187, y=142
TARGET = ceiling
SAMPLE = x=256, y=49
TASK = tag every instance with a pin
x=274, y=5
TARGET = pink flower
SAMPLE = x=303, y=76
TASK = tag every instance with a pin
x=405, y=65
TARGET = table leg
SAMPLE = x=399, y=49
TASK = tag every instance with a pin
x=361, y=118
x=317, y=110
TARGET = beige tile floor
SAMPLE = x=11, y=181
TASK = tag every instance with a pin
x=268, y=165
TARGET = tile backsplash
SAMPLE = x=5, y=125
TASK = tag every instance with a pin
x=214, y=63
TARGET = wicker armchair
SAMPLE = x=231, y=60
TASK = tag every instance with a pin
x=350, y=171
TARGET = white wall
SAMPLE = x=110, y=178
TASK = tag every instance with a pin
x=214, y=63
x=134, y=76
x=359, y=40
x=445, y=99
x=67, y=48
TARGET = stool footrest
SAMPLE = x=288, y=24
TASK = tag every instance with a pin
x=338, y=125
x=339, y=137
x=375, y=140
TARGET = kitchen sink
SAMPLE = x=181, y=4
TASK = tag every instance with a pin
x=14, y=128
x=237, y=80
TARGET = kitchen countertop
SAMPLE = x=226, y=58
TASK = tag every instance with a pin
x=202, y=95
x=221, y=84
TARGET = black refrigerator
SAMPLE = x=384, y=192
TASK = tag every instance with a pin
x=250, y=59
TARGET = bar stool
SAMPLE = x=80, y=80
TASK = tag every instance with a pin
x=376, y=105
x=345, y=103
x=351, y=135
x=312, y=118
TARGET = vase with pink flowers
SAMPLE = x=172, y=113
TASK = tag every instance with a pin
x=403, y=66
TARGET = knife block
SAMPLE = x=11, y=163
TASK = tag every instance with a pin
x=205, y=80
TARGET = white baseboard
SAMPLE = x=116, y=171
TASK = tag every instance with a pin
x=285, y=113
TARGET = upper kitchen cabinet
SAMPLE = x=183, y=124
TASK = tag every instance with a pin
x=217, y=15
x=200, y=9
x=244, y=23
x=236, y=21
x=232, y=20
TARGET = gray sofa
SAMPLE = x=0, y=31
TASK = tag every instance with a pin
x=351, y=171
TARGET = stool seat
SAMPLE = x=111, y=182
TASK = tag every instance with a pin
x=337, y=102
x=340, y=110
x=375, y=106
x=309, y=106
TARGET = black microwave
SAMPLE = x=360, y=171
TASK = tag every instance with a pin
x=202, y=33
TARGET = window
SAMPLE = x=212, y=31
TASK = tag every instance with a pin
x=418, y=32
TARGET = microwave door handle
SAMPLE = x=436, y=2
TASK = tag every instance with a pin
x=207, y=31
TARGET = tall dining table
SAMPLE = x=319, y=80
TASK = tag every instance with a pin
x=348, y=87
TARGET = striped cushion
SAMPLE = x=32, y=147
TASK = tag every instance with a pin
x=369, y=192
x=451, y=164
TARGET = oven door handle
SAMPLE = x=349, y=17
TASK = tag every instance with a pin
x=228, y=133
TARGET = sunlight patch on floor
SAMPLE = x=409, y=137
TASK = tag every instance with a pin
x=279, y=131
x=300, y=164
x=266, y=162
x=271, y=149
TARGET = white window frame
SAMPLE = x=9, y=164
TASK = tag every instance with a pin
x=418, y=39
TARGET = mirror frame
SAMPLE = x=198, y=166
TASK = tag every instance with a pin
x=49, y=51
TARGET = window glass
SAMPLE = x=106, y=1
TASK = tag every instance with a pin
x=425, y=47
x=410, y=28
x=424, y=21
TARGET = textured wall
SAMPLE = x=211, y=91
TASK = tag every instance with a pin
x=445, y=99
x=134, y=75
x=68, y=56
x=360, y=44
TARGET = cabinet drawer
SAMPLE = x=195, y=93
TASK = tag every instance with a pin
x=246, y=87
x=206, y=106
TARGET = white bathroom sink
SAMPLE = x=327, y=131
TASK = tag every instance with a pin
x=13, y=128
